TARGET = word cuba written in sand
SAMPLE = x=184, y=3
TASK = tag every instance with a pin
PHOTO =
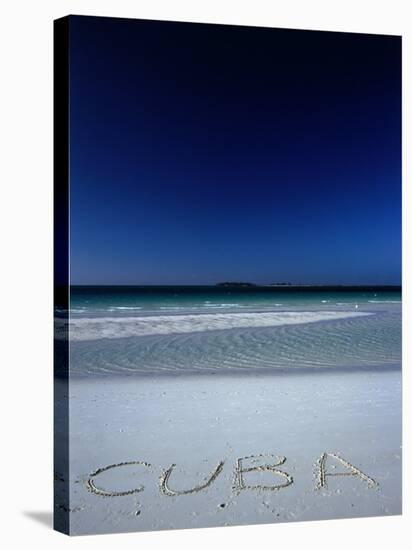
x=243, y=468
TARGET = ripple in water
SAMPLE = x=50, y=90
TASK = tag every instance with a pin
x=354, y=340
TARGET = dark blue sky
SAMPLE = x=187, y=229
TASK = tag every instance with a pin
x=204, y=153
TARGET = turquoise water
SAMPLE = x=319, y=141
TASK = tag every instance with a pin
x=123, y=299
x=187, y=330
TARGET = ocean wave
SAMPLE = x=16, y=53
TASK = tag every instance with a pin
x=120, y=308
x=124, y=327
x=176, y=308
x=210, y=304
x=384, y=301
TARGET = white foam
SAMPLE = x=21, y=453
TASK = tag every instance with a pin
x=176, y=308
x=115, y=308
x=118, y=327
x=210, y=304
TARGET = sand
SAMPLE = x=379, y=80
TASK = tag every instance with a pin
x=195, y=451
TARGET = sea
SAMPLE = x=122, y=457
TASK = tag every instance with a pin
x=187, y=330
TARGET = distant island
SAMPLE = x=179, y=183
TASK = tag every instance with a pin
x=232, y=284
x=244, y=284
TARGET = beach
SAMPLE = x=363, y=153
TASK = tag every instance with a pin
x=258, y=423
x=227, y=275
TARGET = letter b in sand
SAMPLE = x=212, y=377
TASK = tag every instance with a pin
x=256, y=465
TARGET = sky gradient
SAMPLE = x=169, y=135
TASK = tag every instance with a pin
x=203, y=153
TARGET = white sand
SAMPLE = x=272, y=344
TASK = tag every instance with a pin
x=198, y=421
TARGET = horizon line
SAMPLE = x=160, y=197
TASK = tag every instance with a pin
x=240, y=285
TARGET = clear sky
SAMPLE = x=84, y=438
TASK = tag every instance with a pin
x=202, y=153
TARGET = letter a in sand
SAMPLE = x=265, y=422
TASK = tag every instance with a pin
x=353, y=471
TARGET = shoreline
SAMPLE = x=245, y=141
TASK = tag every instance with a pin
x=245, y=373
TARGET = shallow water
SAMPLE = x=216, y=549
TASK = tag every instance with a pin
x=185, y=331
x=124, y=300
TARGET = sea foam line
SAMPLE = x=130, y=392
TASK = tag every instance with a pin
x=123, y=327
